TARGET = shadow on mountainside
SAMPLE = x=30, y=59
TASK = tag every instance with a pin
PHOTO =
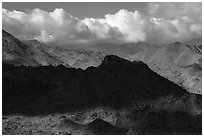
x=47, y=89
x=116, y=83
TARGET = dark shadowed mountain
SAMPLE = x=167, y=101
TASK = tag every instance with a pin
x=116, y=83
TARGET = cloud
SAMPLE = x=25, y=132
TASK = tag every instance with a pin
x=164, y=23
x=196, y=28
x=45, y=26
x=58, y=26
x=101, y=29
x=176, y=10
x=186, y=18
x=45, y=37
x=131, y=24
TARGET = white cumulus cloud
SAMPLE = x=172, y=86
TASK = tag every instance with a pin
x=164, y=23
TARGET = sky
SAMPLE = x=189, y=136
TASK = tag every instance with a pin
x=78, y=9
x=84, y=23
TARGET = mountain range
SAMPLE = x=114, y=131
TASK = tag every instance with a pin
x=51, y=90
x=178, y=62
x=137, y=97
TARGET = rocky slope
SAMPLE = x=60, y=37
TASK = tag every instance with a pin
x=34, y=53
x=15, y=52
x=179, y=62
x=126, y=97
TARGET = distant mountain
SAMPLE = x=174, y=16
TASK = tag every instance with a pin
x=179, y=62
x=34, y=53
x=138, y=100
x=124, y=49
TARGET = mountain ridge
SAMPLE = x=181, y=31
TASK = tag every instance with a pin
x=110, y=91
x=178, y=62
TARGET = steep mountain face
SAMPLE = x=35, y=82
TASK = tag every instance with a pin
x=179, y=62
x=16, y=52
x=34, y=53
x=127, y=96
x=77, y=58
